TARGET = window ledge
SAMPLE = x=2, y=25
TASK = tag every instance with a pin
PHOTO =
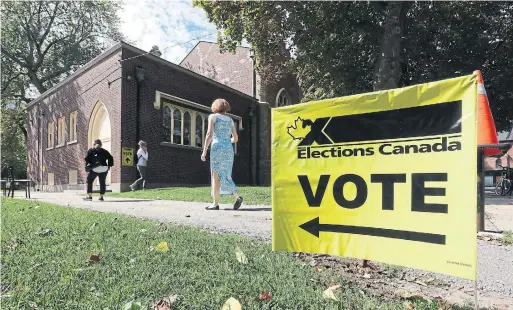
x=49, y=148
x=72, y=142
x=185, y=147
x=59, y=146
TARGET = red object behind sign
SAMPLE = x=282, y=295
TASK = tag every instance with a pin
x=486, y=132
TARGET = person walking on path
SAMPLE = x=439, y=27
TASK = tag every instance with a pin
x=222, y=133
x=98, y=163
x=142, y=163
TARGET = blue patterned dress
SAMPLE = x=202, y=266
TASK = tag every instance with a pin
x=221, y=154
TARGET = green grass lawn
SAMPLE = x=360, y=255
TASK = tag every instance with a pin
x=507, y=238
x=46, y=249
x=252, y=195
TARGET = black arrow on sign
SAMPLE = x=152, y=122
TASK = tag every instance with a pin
x=315, y=227
x=127, y=160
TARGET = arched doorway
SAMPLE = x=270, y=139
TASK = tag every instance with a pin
x=100, y=128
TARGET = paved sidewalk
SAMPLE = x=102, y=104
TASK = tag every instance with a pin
x=499, y=213
x=254, y=221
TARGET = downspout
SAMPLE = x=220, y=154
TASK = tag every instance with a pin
x=41, y=114
x=257, y=144
x=255, y=109
x=139, y=77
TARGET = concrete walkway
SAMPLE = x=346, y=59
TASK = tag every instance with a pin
x=254, y=221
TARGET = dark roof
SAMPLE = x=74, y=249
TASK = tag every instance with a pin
x=115, y=49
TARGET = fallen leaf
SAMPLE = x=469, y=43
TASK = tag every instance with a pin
x=241, y=257
x=313, y=263
x=367, y=276
x=232, y=304
x=93, y=226
x=421, y=283
x=143, y=230
x=94, y=258
x=132, y=306
x=329, y=293
x=408, y=305
x=264, y=296
x=162, y=247
x=172, y=299
x=36, y=207
x=162, y=305
x=461, y=287
x=317, y=268
x=14, y=244
x=429, y=280
x=442, y=304
x=45, y=232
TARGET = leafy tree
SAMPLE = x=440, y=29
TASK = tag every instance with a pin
x=43, y=42
x=155, y=50
x=341, y=48
x=14, y=148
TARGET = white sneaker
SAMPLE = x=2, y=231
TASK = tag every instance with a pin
x=132, y=188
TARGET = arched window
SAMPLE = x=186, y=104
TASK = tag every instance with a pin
x=177, y=126
x=186, y=128
x=166, y=123
x=199, y=130
x=282, y=99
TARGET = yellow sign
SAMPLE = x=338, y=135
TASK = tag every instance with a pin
x=127, y=157
x=387, y=176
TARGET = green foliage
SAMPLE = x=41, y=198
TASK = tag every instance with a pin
x=334, y=47
x=252, y=195
x=13, y=146
x=42, y=43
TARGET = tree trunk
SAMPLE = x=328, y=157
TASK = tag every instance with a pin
x=388, y=69
x=36, y=82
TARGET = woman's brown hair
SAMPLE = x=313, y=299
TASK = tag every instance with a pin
x=220, y=106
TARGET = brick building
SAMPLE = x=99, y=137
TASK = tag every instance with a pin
x=143, y=97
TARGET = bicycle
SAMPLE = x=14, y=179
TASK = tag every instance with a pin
x=503, y=187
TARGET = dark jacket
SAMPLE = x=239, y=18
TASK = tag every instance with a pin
x=99, y=155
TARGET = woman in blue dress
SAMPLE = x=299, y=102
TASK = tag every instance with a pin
x=222, y=133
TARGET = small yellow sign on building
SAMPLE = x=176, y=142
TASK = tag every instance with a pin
x=127, y=159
